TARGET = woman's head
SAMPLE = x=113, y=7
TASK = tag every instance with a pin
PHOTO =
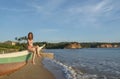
x=30, y=35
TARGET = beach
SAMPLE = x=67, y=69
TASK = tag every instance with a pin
x=30, y=71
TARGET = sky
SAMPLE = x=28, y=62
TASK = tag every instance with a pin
x=61, y=20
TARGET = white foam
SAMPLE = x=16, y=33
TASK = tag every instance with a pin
x=69, y=72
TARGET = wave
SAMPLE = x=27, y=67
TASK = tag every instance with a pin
x=68, y=71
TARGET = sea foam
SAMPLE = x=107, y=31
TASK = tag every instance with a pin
x=68, y=71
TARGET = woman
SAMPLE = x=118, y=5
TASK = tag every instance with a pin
x=34, y=49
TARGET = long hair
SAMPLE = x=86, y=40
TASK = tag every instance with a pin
x=30, y=33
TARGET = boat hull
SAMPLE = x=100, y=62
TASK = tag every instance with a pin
x=11, y=67
x=13, y=61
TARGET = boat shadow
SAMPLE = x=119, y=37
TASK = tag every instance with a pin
x=28, y=57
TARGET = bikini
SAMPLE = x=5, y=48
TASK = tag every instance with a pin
x=30, y=44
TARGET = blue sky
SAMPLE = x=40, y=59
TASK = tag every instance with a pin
x=61, y=20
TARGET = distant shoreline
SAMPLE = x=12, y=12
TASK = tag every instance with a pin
x=62, y=45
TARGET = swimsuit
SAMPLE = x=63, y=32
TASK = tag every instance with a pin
x=30, y=44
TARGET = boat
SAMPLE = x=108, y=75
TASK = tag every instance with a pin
x=11, y=62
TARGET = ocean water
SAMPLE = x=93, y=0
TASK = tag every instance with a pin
x=88, y=63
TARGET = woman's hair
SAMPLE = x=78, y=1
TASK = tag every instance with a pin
x=30, y=33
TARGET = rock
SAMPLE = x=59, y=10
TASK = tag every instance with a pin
x=108, y=46
x=74, y=45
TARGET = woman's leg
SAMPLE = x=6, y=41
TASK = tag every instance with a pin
x=33, y=57
x=37, y=51
x=34, y=54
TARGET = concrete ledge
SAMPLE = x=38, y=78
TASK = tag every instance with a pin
x=47, y=55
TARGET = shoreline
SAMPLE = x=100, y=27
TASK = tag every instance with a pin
x=30, y=71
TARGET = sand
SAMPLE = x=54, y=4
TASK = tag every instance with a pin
x=31, y=71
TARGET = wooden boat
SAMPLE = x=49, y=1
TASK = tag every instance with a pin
x=11, y=62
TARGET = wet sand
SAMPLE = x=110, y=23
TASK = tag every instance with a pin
x=31, y=71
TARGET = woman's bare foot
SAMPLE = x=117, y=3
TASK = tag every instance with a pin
x=38, y=55
x=40, y=48
x=33, y=62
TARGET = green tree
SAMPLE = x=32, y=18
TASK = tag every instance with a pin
x=24, y=38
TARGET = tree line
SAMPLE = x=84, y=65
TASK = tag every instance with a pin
x=61, y=45
x=21, y=44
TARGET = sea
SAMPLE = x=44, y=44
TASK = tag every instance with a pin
x=86, y=63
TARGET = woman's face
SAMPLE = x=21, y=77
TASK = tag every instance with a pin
x=30, y=36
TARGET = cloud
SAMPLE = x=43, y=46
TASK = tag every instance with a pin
x=94, y=14
x=15, y=9
x=99, y=6
x=66, y=13
x=47, y=30
x=48, y=7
